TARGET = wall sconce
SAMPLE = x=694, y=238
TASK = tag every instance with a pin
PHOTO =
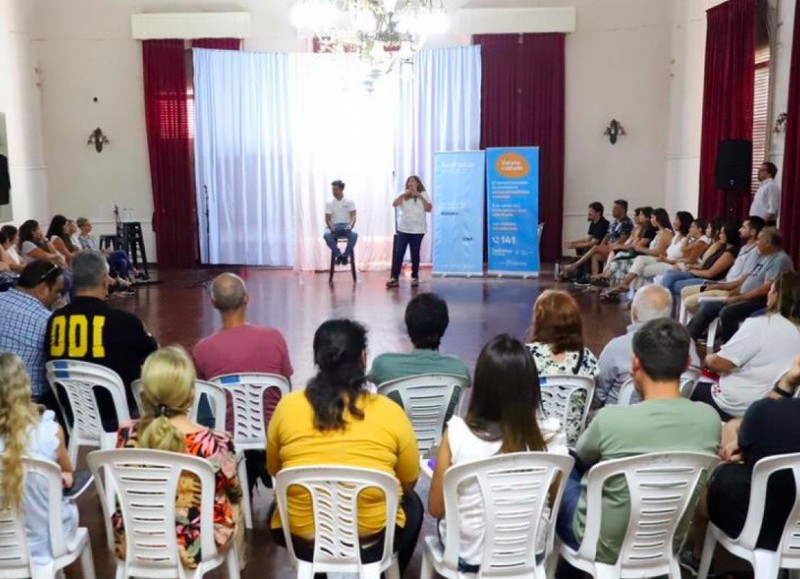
x=614, y=130
x=780, y=123
x=98, y=139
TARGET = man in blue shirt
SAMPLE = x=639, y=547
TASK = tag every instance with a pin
x=24, y=312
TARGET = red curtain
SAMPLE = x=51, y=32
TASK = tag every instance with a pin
x=727, y=100
x=790, y=205
x=169, y=143
x=218, y=43
x=522, y=104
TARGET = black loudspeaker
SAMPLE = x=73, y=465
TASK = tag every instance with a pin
x=734, y=164
x=5, y=182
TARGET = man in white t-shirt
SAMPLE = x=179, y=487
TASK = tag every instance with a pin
x=340, y=217
x=767, y=199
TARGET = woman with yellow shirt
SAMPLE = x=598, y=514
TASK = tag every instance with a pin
x=335, y=421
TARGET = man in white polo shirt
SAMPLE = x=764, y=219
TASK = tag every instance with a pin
x=767, y=200
x=340, y=217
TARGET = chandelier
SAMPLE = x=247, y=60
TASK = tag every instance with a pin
x=381, y=32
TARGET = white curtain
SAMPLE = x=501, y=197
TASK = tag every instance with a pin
x=342, y=131
x=440, y=110
x=243, y=157
x=273, y=131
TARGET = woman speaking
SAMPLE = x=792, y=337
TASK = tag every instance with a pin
x=414, y=203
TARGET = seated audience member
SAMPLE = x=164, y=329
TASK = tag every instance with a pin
x=770, y=427
x=427, y=319
x=119, y=261
x=27, y=430
x=88, y=329
x=643, y=256
x=336, y=421
x=168, y=382
x=664, y=422
x=10, y=262
x=24, y=312
x=651, y=302
x=618, y=233
x=714, y=264
x=621, y=255
x=241, y=347
x=748, y=294
x=598, y=229
x=504, y=415
x=33, y=245
x=555, y=341
x=59, y=236
x=10, y=246
x=690, y=292
x=761, y=349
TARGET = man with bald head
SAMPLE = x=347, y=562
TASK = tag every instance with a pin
x=651, y=302
x=239, y=346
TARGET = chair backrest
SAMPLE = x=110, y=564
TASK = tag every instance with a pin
x=146, y=483
x=15, y=560
x=661, y=487
x=246, y=391
x=334, y=494
x=789, y=547
x=213, y=392
x=559, y=393
x=515, y=489
x=425, y=399
x=79, y=379
x=628, y=394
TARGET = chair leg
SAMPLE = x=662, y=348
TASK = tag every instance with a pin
x=766, y=564
x=426, y=569
x=232, y=563
x=333, y=264
x=709, y=544
x=353, y=265
x=712, y=336
x=87, y=561
x=393, y=571
x=73, y=450
x=245, y=484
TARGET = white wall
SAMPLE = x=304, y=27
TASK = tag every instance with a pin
x=781, y=71
x=21, y=104
x=639, y=61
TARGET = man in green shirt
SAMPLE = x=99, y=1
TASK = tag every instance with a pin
x=427, y=319
x=664, y=422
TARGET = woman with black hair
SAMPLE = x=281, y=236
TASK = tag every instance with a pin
x=335, y=421
x=60, y=238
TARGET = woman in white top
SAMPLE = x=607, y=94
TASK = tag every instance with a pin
x=504, y=416
x=757, y=354
x=8, y=250
x=649, y=255
x=59, y=234
x=33, y=245
x=413, y=205
x=27, y=431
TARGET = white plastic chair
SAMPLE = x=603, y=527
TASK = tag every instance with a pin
x=15, y=561
x=661, y=486
x=689, y=379
x=214, y=393
x=79, y=379
x=515, y=489
x=425, y=399
x=711, y=338
x=246, y=391
x=148, y=481
x=334, y=494
x=558, y=393
x=766, y=564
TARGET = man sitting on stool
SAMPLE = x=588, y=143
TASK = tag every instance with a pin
x=340, y=217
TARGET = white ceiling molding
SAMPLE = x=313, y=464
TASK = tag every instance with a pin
x=188, y=25
x=514, y=20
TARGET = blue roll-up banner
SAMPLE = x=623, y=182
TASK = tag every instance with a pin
x=512, y=201
x=458, y=179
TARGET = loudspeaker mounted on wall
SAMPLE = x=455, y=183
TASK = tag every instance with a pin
x=734, y=164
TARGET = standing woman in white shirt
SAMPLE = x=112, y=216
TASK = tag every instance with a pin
x=412, y=225
x=767, y=200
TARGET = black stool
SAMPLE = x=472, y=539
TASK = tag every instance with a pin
x=132, y=241
x=352, y=258
x=109, y=242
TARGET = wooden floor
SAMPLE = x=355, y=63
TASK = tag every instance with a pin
x=178, y=311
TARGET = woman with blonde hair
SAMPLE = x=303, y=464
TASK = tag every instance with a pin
x=555, y=341
x=168, y=393
x=26, y=429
